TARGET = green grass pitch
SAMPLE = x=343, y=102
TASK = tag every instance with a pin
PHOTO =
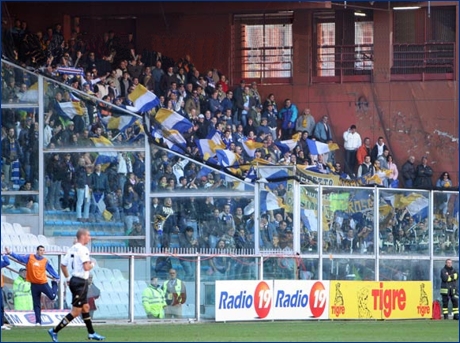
x=292, y=331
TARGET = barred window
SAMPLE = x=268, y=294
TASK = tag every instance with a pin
x=332, y=57
x=265, y=50
x=424, y=42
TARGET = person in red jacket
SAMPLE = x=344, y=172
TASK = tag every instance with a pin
x=363, y=151
x=37, y=267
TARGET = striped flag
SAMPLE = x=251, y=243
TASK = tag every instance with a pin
x=319, y=148
x=208, y=147
x=70, y=71
x=101, y=142
x=172, y=120
x=274, y=176
x=268, y=201
x=15, y=175
x=143, y=99
x=120, y=123
x=288, y=144
x=226, y=158
x=309, y=219
x=31, y=95
x=70, y=109
x=106, y=157
x=251, y=146
x=174, y=140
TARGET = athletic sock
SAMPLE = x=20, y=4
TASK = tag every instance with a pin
x=64, y=322
x=89, y=324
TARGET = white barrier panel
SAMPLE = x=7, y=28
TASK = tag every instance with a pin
x=49, y=318
x=269, y=300
x=243, y=300
x=300, y=299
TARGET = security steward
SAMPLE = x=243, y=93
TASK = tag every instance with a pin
x=153, y=300
x=22, y=292
x=449, y=277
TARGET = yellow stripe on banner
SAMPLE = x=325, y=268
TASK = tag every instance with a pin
x=214, y=146
x=333, y=146
x=113, y=123
x=138, y=91
x=162, y=115
x=253, y=145
x=141, y=127
x=78, y=109
x=102, y=141
x=260, y=161
x=297, y=136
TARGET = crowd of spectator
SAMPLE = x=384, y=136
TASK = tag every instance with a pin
x=114, y=191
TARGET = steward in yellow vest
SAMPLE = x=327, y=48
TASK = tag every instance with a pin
x=153, y=300
x=22, y=292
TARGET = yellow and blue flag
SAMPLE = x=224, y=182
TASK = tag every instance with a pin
x=70, y=109
x=226, y=158
x=251, y=146
x=172, y=120
x=208, y=147
x=143, y=99
x=319, y=148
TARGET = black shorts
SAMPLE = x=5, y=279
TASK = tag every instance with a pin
x=79, y=289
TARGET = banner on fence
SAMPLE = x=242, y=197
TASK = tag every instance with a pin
x=271, y=300
x=380, y=300
x=49, y=318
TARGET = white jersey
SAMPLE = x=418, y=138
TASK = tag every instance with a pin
x=77, y=255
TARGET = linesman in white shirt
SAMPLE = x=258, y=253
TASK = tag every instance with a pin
x=77, y=263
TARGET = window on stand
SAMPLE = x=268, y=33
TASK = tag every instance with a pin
x=344, y=46
x=424, y=44
x=265, y=49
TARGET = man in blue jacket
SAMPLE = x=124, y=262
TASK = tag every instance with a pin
x=288, y=115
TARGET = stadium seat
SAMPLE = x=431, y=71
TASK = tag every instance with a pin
x=122, y=311
x=105, y=298
x=124, y=284
x=140, y=285
x=29, y=239
x=15, y=240
x=123, y=298
x=18, y=228
x=117, y=274
x=6, y=241
x=139, y=311
x=43, y=240
x=108, y=273
x=138, y=298
x=108, y=286
x=7, y=228
x=98, y=274
x=107, y=311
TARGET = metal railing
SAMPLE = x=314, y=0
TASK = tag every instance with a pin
x=428, y=58
x=343, y=62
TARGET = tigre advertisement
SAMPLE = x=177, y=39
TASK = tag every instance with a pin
x=380, y=300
